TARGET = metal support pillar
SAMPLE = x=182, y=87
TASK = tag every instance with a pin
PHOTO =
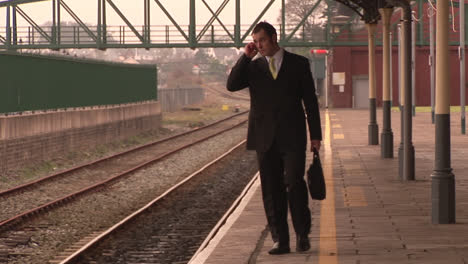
x=443, y=180
x=104, y=23
x=401, y=95
x=401, y=152
x=327, y=78
x=387, y=134
x=373, y=130
x=54, y=22
x=147, y=35
x=420, y=25
x=283, y=20
x=400, y=66
x=192, y=27
x=8, y=27
x=408, y=163
x=15, y=27
x=413, y=66
x=431, y=60
x=328, y=25
x=408, y=148
x=462, y=68
x=237, y=28
x=59, y=19
x=101, y=29
x=99, y=23
x=390, y=43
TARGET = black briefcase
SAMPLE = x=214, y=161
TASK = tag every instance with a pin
x=315, y=179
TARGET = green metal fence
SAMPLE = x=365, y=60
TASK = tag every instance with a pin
x=31, y=82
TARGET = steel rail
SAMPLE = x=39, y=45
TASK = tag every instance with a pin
x=17, y=219
x=35, y=183
x=135, y=214
x=230, y=95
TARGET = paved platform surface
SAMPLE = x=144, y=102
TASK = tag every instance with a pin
x=370, y=215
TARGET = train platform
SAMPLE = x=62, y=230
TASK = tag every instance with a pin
x=369, y=215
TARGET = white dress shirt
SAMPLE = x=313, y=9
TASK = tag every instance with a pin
x=278, y=59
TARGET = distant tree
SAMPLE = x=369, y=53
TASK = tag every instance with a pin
x=296, y=10
x=202, y=56
x=314, y=27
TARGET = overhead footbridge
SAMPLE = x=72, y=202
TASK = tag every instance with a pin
x=102, y=24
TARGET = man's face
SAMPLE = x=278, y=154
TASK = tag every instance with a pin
x=267, y=46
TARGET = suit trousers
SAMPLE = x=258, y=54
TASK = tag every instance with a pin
x=282, y=181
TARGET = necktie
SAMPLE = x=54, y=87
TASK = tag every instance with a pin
x=273, y=68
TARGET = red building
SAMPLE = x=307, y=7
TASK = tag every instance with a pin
x=352, y=62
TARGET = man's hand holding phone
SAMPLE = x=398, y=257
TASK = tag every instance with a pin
x=250, y=50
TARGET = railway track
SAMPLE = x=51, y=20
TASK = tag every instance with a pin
x=31, y=199
x=240, y=95
x=172, y=227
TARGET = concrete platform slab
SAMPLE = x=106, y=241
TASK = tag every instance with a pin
x=370, y=215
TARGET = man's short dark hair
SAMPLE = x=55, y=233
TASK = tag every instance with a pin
x=267, y=27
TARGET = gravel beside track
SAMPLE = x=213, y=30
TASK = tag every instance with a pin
x=242, y=95
x=19, y=202
x=172, y=230
x=42, y=238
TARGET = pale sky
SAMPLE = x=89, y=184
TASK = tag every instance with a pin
x=133, y=10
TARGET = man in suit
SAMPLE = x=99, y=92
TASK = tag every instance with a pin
x=281, y=86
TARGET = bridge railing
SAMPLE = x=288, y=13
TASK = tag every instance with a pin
x=155, y=36
x=172, y=36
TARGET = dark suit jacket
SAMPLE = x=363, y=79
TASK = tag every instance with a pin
x=277, y=106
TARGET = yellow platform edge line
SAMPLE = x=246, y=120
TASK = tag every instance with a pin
x=327, y=245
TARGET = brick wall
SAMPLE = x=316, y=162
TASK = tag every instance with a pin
x=18, y=152
x=30, y=124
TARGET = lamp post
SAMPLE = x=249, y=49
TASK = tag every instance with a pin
x=408, y=172
x=373, y=128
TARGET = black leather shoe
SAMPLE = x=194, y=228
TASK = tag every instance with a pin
x=302, y=243
x=278, y=249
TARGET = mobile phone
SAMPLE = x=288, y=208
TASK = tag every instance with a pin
x=253, y=46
